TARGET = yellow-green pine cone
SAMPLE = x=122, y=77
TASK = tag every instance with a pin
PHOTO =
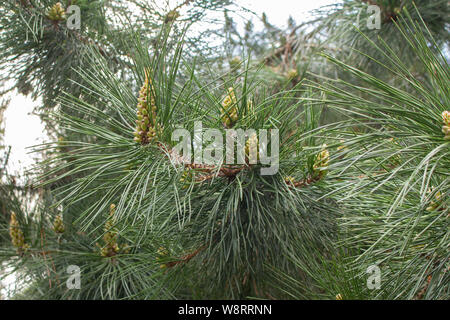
x=17, y=237
x=171, y=16
x=446, y=117
x=289, y=180
x=161, y=254
x=58, y=224
x=147, y=126
x=252, y=142
x=321, y=161
x=235, y=63
x=105, y=252
x=110, y=237
x=56, y=12
x=250, y=108
x=446, y=127
x=435, y=204
x=186, y=178
x=229, y=112
x=292, y=74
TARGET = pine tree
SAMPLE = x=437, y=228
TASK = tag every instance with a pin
x=361, y=183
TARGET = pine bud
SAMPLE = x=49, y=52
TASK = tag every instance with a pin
x=171, y=16
x=147, y=126
x=435, y=204
x=321, y=161
x=229, y=110
x=235, y=63
x=289, y=180
x=292, y=74
x=17, y=237
x=186, y=178
x=161, y=254
x=446, y=117
x=446, y=127
x=58, y=224
x=111, y=235
x=56, y=12
x=252, y=145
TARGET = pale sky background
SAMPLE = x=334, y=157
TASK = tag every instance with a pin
x=24, y=130
x=278, y=11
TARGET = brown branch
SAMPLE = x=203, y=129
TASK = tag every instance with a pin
x=422, y=292
x=185, y=258
x=210, y=170
x=223, y=172
x=305, y=182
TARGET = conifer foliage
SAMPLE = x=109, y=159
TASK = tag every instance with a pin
x=335, y=185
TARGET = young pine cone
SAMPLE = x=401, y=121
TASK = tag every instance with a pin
x=321, y=161
x=437, y=202
x=229, y=114
x=17, y=237
x=58, y=224
x=161, y=255
x=56, y=13
x=147, y=126
x=446, y=127
x=251, y=145
x=171, y=16
x=111, y=247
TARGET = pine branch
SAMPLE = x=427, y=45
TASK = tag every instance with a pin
x=184, y=259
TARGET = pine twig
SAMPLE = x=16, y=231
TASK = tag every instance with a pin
x=185, y=258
